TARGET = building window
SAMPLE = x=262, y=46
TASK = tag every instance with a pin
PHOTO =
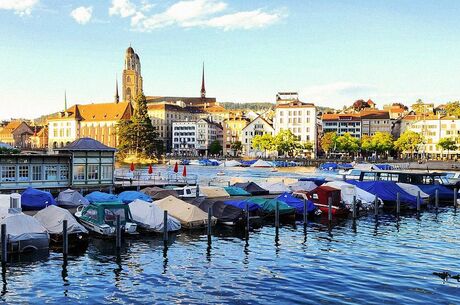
x=93, y=173
x=36, y=172
x=23, y=171
x=106, y=172
x=79, y=172
x=51, y=172
x=64, y=172
x=8, y=173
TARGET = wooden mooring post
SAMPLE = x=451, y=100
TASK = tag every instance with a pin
x=4, y=241
x=165, y=226
x=398, y=203
x=65, y=238
x=118, y=233
x=354, y=207
x=329, y=212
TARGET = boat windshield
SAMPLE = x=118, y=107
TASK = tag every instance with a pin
x=110, y=215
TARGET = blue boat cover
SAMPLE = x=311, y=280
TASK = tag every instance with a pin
x=33, y=199
x=384, y=166
x=444, y=192
x=345, y=165
x=248, y=162
x=101, y=197
x=296, y=203
x=130, y=196
x=317, y=180
x=328, y=166
x=386, y=190
x=242, y=205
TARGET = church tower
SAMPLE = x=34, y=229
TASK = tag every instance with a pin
x=132, y=79
x=203, y=89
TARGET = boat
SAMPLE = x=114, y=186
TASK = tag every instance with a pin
x=185, y=162
x=220, y=173
x=230, y=163
x=355, y=172
x=275, y=187
x=243, y=204
x=158, y=193
x=252, y=188
x=268, y=207
x=189, y=215
x=445, y=194
x=261, y=163
x=364, y=200
x=224, y=213
x=298, y=204
x=387, y=192
x=101, y=197
x=411, y=177
x=213, y=192
x=150, y=217
x=414, y=190
x=33, y=199
x=302, y=186
x=328, y=166
x=187, y=191
x=52, y=218
x=25, y=233
x=320, y=197
x=274, y=169
x=236, y=191
x=130, y=196
x=100, y=218
x=71, y=199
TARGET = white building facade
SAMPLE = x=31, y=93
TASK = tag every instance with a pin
x=184, y=139
x=258, y=126
x=299, y=118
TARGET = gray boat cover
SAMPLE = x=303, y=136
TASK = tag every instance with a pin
x=20, y=226
x=158, y=193
x=52, y=218
x=150, y=216
x=71, y=198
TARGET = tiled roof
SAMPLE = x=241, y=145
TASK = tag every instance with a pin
x=296, y=104
x=11, y=126
x=96, y=112
x=86, y=144
x=337, y=116
x=374, y=114
x=172, y=107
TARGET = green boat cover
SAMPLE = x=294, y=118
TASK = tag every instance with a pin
x=269, y=205
x=236, y=191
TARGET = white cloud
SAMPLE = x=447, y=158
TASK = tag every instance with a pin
x=191, y=13
x=244, y=20
x=123, y=8
x=82, y=15
x=20, y=7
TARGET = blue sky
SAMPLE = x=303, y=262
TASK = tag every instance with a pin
x=333, y=52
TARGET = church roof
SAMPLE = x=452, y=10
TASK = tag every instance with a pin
x=97, y=112
x=11, y=126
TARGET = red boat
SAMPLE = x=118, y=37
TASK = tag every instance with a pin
x=320, y=197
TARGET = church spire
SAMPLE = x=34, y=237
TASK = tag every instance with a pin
x=117, y=97
x=65, y=100
x=203, y=90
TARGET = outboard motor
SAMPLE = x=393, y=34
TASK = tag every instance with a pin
x=15, y=203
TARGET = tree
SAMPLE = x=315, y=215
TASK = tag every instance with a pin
x=237, y=147
x=447, y=144
x=137, y=135
x=328, y=142
x=453, y=109
x=286, y=142
x=408, y=141
x=347, y=143
x=263, y=142
x=215, y=148
x=382, y=142
x=366, y=144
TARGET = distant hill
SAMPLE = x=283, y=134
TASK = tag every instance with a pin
x=325, y=109
x=250, y=106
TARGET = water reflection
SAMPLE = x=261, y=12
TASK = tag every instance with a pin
x=64, y=275
x=4, y=286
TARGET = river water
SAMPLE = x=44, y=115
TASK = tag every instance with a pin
x=372, y=261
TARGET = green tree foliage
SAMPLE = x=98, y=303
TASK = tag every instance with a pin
x=286, y=142
x=347, y=143
x=447, y=144
x=215, y=148
x=328, y=142
x=453, y=108
x=382, y=142
x=9, y=151
x=366, y=143
x=237, y=147
x=408, y=141
x=137, y=135
x=263, y=142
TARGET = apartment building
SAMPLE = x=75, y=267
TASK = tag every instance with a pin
x=258, y=126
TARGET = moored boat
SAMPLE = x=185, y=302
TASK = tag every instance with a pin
x=320, y=197
x=150, y=217
x=52, y=218
x=100, y=218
